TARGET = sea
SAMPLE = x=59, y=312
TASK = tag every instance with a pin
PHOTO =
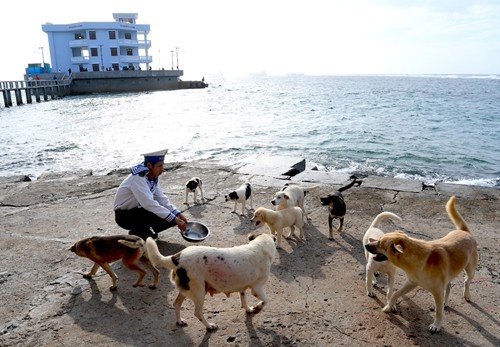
x=434, y=128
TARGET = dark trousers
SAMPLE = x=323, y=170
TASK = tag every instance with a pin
x=140, y=222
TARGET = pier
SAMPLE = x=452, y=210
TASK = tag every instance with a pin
x=24, y=91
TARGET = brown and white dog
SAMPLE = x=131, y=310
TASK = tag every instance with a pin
x=431, y=265
x=197, y=270
x=103, y=250
x=373, y=265
x=192, y=186
x=278, y=220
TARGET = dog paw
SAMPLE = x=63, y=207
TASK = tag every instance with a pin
x=87, y=276
x=112, y=288
x=434, y=328
x=388, y=308
x=255, y=309
x=370, y=294
x=212, y=327
x=152, y=286
x=181, y=323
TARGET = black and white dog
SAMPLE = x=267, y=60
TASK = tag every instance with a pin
x=241, y=195
x=336, y=205
x=192, y=186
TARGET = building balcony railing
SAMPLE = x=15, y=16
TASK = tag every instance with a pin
x=135, y=59
x=79, y=43
x=135, y=43
x=80, y=60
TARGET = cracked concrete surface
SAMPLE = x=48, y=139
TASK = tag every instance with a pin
x=316, y=289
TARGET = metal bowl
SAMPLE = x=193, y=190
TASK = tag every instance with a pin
x=195, y=232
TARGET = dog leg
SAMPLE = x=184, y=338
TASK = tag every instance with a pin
x=391, y=277
x=186, y=200
x=198, y=299
x=258, y=292
x=302, y=235
x=291, y=232
x=92, y=272
x=154, y=271
x=113, y=276
x=330, y=227
x=243, y=205
x=278, y=234
x=341, y=220
x=407, y=287
x=470, y=270
x=244, y=304
x=369, y=281
x=177, y=306
x=195, y=196
x=235, y=205
x=435, y=327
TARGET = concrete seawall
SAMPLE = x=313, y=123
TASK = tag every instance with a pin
x=316, y=291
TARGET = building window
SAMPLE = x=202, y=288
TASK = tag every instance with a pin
x=128, y=36
x=112, y=35
x=114, y=51
x=130, y=51
x=95, y=67
x=93, y=52
x=115, y=67
x=78, y=36
x=92, y=35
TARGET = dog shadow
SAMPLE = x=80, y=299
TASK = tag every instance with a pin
x=310, y=254
x=414, y=322
x=121, y=314
x=196, y=210
x=487, y=335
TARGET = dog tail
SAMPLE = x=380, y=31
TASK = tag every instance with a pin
x=455, y=217
x=353, y=182
x=155, y=257
x=132, y=244
x=384, y=215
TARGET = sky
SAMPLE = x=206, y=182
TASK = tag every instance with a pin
x=232, y=38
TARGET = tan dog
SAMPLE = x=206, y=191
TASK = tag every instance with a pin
x=373, y=265
x=290, y=195
x=103, y=250
x=431, y=265
x=277, y=220
x=197, y=270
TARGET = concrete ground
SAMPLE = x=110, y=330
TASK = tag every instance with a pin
x=316, y=289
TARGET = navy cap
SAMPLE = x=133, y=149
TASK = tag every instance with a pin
x=154, y=157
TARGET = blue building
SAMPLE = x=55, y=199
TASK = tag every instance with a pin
x=99, y=46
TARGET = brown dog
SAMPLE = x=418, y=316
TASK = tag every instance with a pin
x=431, y=265
x=103, y=250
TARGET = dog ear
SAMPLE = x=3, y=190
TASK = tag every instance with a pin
x=397, y=248
x=286, y=196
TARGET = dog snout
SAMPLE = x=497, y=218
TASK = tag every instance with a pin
x=372, y=247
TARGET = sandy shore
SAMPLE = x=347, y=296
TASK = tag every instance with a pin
x=316, y=290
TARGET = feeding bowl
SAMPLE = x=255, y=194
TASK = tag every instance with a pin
x=195, y=232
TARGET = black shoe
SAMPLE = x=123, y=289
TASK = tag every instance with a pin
x=144, y=234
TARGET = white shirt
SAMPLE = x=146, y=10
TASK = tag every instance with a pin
x=135, y=192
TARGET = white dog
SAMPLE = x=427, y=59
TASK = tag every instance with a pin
x=192, y=186
x=373, y=265
x=277, y=220
x=197, y=270
x=291, y=195
x=241, y=195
